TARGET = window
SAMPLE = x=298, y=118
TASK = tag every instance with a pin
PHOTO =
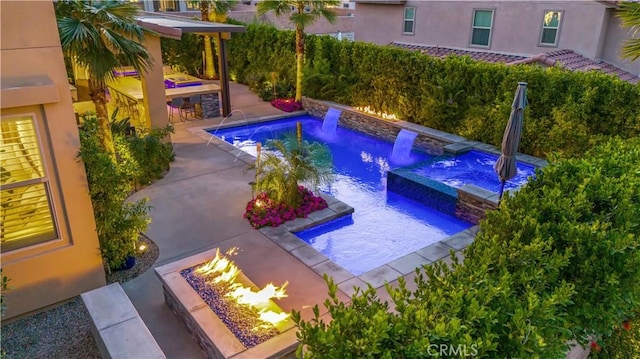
x=166, y=5
x=409, y=20
x=481, y=32
x=192, y=6
x=26, y=215
x=550, y=27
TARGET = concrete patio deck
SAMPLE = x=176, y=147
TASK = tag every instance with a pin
x=199, y=205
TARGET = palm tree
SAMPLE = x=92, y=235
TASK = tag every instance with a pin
x=101, y=36
x=301, y=14
x=290, y=162
x=214, y=11
x=629, y=13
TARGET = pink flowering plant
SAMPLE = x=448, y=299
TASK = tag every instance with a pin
x=280, y=169
x=263, y=211
x=287, y=105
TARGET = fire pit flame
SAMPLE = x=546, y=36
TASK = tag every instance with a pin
x=244, y=295
x=222, y=270
x=273, y=317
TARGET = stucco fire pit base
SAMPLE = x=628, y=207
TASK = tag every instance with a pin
x=213, y=336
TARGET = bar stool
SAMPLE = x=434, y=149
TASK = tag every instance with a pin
x=188, y=108
x=132, y=107
x=196, y=103
x=176, y=104
x=121, y=104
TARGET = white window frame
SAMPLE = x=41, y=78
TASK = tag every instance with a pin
x=405, y=20
x=184, y=6
x=474, y=27
x=555, y=43
x=45, y=180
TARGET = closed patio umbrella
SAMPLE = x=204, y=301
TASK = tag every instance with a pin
x=506, y=164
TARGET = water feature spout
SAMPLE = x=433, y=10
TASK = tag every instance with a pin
x=331, y=121
x=221, y=122
x=402, y=146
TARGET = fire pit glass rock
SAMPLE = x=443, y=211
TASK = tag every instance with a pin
x=247, y=313
x=225, y=312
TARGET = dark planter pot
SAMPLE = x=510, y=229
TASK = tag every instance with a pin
x=128, y=263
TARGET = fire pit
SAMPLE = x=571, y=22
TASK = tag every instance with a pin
x=225, y=312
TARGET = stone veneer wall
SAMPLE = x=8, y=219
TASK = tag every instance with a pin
x=474, y=202
x=375, y=126
x=196, y=331
x=210, y=105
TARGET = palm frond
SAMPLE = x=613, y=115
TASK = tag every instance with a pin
x=279, y=7
x=302, y=19
x=222, y=7
x=323, y=8
x=287, y=162
x=102, y=35
x=629, y=14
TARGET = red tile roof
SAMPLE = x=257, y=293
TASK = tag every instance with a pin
x=565, y=58
x=576, y=62
x=443, y=52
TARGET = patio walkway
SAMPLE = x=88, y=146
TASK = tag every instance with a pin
x=198, y=206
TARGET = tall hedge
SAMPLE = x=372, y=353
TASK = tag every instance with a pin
x=558, y=261
x=568, y=112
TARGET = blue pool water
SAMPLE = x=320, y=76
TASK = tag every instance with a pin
x=473, y=167
x=385, y=226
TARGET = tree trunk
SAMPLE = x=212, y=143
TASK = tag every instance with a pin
x=299, y=60
x=97, y=92
x=209, y=71
x=214, y=51
x=204, y=11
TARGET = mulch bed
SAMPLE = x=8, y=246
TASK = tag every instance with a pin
x=65, y=331
x=143, y=263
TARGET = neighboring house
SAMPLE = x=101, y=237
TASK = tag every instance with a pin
x=187, y=5
x=245, y=11
x=49, y=246
x=585, y=32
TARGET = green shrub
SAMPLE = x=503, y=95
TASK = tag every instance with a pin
x=118, y=223
x=558, y=261
x=184, y=55
x=624, y=341
x=4, y=286
x=457, y=94
x=145, y=156
x=287, y=163
x=263, y=43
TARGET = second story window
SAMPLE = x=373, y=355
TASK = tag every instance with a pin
x=550, y=27
x=409, y=20
x=192, y=6
x=166, y=5
x=481, y=32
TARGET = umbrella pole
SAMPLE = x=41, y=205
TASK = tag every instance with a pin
x=501, y=192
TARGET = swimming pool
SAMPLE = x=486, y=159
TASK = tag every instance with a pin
x=472, y=167
x=385, y=226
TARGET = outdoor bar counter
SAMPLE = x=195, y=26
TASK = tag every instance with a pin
x=185, y=86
